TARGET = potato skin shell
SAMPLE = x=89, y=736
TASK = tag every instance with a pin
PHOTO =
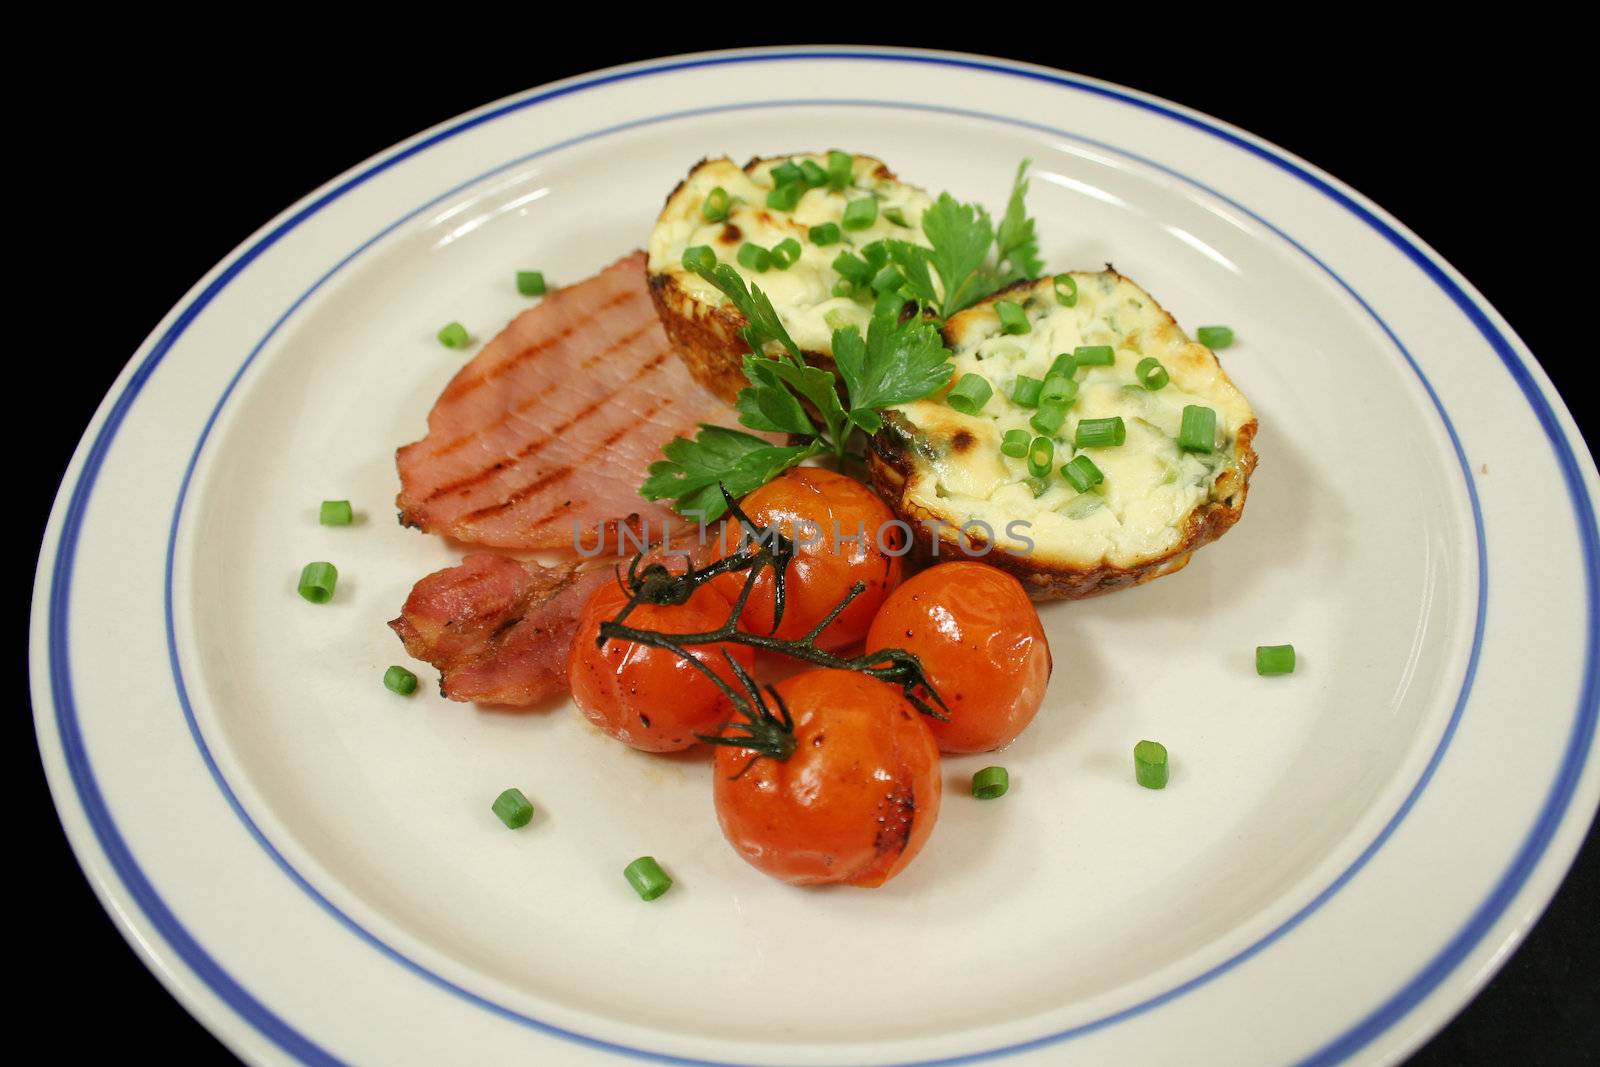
x=857, y=800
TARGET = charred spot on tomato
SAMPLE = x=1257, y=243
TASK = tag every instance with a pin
x=897, y=816
x=731, y=233
x=644, y=719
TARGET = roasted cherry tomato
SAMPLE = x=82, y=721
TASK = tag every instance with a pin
x=819, y=509
x=981, y=645
x=644, y=696
x=854, y=801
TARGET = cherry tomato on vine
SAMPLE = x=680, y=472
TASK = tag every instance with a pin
x=819, y=509
x=981, y=645
x=854, y=800
x=646, y=697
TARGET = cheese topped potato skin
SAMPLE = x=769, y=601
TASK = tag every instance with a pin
x=700, y=322
x=1157, y=504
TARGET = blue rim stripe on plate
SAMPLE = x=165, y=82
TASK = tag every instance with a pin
x=1359, y=1035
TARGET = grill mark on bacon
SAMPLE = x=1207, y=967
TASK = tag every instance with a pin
x=459, y=389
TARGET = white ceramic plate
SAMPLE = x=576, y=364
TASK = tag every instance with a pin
x=1342, y=857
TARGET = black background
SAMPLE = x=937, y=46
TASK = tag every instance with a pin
x=147, y=160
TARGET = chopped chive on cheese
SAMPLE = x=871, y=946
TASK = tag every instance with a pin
x=1151, y=374
x=896, y=216
x=785, y=253
x=399, y=680
x=1274, y=659
x=1041, y=457
x=825, y=233
x=1015, y=443
x=1198, y=431
x=1066, y=287
x=861, y=213
x=785, y=197
x=1049, y=418
x=647, y=877
x=888, y=280
x=1082, y=473
x=453, y=335
x=1214, y=336
x=812, y=174
x=1150, y=764
x=991, y=782
x=970, y=394
x=1094, y=355
x=336, y=513
x=716, y=205
x=513, y=808
x=841, y=170
x=1025, y=392
x=699, y=258
x=1101, y=433
x=786, y=173
x=1059, y=389
x=754, y=257
x=844, y=287
x=1065, y=365
x=531, y=282
x=1013, y=319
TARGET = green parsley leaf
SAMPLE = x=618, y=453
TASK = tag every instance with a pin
x=913, y=263
x=897, y=362
x=768, y=404
x=959, y=235
x=761, y=319
x=693, y=471
x=1016, y=243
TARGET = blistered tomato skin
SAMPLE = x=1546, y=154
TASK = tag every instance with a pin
x=647, y=697
x=980, y=642
x=856, y=801
x=812, y=506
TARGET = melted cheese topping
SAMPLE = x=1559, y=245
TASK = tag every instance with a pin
x=1150, y=487
x=803, y=294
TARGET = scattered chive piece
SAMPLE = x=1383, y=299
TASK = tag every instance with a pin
x=1274, y=659
x=1026, y=391
x=812, y=174
x=888, y=280
x=785, y=253
x=860, y=213
x=317, y=581
x=647, y=877
x=1094, y=355
x=699, y=259
x=1066, y=290
x=336, y=513
x=990, y=782
x=399, y=680
x=1215, y=336
x=1150, y=764
x=1058, y=389
x=453, y=335
x=1083, y=505
x=1101, y=433
x=1064, y=365
x=1048, y=419
x=786, y=173
x=1083, y=474
x=826, y=233
x=1041, y=457
x=970, y=394
x=896, y=216
x=1015, y=443
x=844, y=287
x=836, y=318
x=1152, y=375
x=841, y=169
x=715, y=207
x=785, y=197
x=1038, y=486
x=754, y=257
x=530, y=282
x=513, y=808
x=1198, y=432
x=1012, y=318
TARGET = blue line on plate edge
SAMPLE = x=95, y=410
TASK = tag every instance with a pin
x=1083, y=1028
x=1353, y=1039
